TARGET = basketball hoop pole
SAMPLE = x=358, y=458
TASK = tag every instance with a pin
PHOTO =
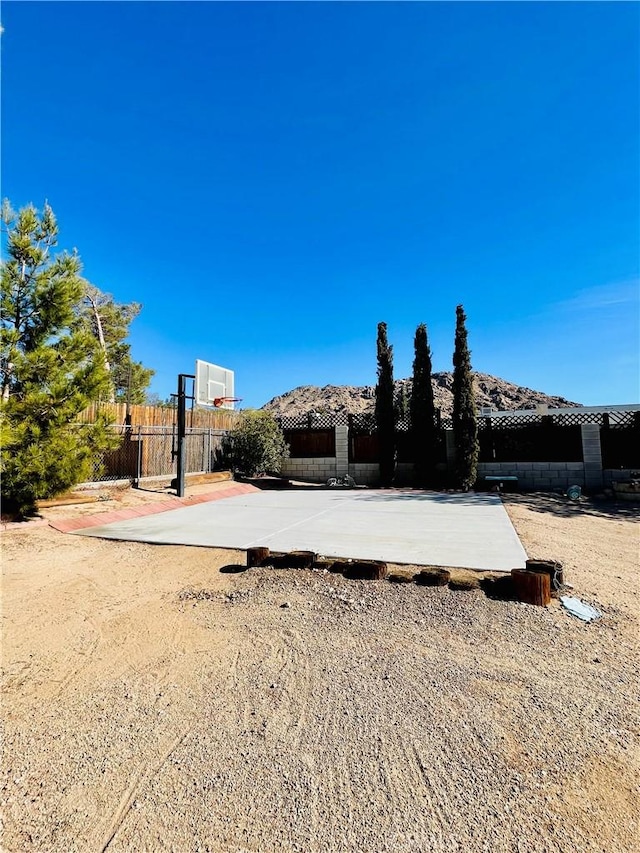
x=182, y=430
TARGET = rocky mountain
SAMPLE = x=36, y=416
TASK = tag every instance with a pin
x=490, y=391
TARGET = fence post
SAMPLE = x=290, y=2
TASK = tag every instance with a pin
x=209, y=465
x=591, y=456
x=139, y=459
x=342, y=450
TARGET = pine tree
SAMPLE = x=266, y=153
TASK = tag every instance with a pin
x=108, y=321
x=422, y=412
x=130, y=378
x=49, y=373
x=465, y=425
x=385, y=416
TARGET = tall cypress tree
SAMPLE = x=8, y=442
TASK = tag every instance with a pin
x=385, y=416
x=465, y=425
x=422, y=412
x=49, y=372
x=402, y=403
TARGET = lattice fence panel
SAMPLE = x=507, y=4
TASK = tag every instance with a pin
x=578, y=418
x=364, y=424
x=313, y=420
x=622, y=420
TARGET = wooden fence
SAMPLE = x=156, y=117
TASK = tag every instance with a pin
x=538, y=441
x=311, y=443
x=156, y=416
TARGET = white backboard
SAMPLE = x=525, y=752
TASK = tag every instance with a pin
x=212, y=383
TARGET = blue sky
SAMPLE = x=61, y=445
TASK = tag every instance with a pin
x=270, y=180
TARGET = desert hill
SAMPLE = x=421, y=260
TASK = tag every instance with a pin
x=489, y=390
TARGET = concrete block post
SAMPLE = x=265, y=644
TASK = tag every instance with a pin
x=592, y=456
x=342, y=450
x=451, y=448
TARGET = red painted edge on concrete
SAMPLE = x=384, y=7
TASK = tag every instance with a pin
x=70, y=525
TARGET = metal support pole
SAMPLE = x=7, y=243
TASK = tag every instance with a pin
x=182, y=424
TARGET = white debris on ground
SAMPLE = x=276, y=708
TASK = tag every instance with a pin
x=578, y=608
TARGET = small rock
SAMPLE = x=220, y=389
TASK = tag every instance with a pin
x=285, y=604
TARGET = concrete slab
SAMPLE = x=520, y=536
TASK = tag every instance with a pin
x=470, y=531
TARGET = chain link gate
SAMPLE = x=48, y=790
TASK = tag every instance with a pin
x=149, y=451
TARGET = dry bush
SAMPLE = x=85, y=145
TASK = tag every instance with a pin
x=464, y=583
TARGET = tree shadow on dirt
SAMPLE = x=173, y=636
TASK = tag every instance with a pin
x=233, y=569
x=559, y=505
x=159, y=489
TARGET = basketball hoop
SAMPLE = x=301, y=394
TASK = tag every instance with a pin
x=218, y=402
x=214, y=385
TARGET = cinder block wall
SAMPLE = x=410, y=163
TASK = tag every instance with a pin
x=365, y=473
x=404, y=474
x=537, y=475
x=531, y=475
x=318, y=469
x=612, y=475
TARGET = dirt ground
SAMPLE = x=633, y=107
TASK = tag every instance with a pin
x=152, y=701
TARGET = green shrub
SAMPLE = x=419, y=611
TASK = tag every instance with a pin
x=256, y=444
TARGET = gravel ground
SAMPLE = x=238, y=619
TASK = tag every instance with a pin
x=152, y=702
